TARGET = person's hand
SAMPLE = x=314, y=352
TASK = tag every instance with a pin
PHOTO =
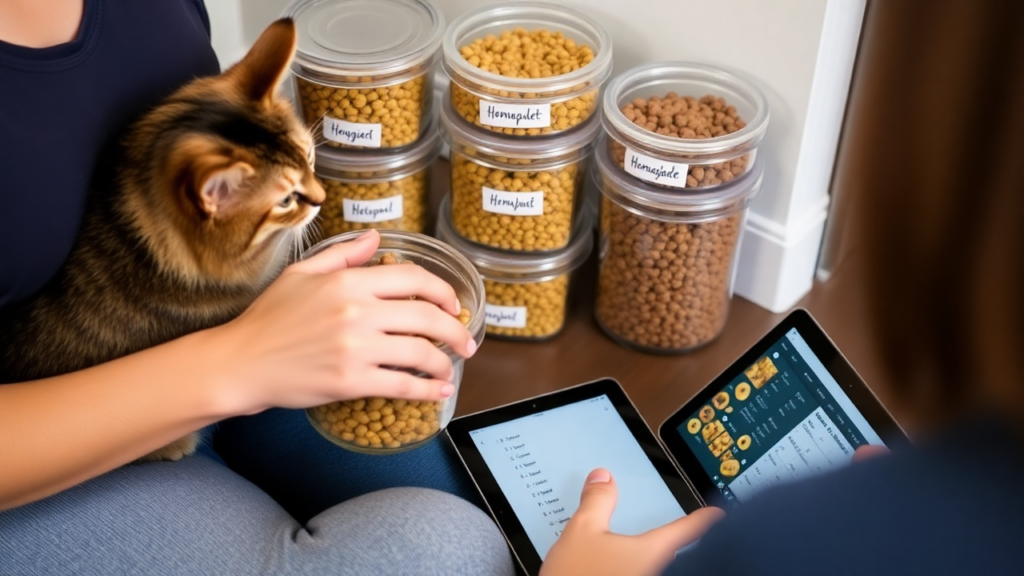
x=327, y=328
x=587, y=547
x=868, y=451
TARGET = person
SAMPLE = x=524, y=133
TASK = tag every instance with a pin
x=944, y=250
x=72, y=74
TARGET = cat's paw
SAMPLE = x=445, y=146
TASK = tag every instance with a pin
x=175, y=450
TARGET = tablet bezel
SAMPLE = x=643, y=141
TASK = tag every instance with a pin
x=458, y=433
x=835, y=363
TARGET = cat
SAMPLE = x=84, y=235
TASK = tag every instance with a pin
x=214, y=188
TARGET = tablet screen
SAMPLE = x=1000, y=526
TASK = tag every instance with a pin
x=781, y=419
x=541, y=461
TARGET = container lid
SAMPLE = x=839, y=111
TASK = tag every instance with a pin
x=689, y=79
x=457, y=132
x=365, y=37
x=529, y=15
x=525, y=265
x=381, y=163
x=691, y=205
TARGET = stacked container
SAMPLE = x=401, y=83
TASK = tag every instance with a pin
x=363, y=80
x=521, y=119
x=677, y=169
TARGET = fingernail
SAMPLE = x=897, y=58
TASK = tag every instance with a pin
x=599, y=476
x=471, y=347
x=447, y=390
x=458, y=307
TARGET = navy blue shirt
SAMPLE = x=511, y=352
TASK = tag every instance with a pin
x=954, y=508
x=59, y=106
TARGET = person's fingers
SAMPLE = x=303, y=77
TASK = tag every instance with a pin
x=412, y=353
x=397, y=384
x=405, y=281
x=351, y=254
x=689, y=528
x=422, y=319
x=868, y=451
x=597, y=503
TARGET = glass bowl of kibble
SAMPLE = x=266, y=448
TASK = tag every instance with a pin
x=667, y=259
x=363, y=69
x=378, y=425
x=376, y=188
x=527, y=293
x=526, y=68
x=516, y=194
x=682, y=125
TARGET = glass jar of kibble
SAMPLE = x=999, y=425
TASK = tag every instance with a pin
x=525, y=68
x=667, y=259
x=516, y=194
x=527, y=293
x=376, y=189
x=377, y=425
x=364, y=69
x=681, y=125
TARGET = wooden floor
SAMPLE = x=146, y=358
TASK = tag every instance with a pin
x=504, y=371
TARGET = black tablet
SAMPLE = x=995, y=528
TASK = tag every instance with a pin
x=530, y=460
x=791, y=407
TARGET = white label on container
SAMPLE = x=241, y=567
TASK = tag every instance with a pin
x=513, y=203
x=505, y=316
x=380, y=210
x=515, y=115
x=655, y=170
x=352, y=133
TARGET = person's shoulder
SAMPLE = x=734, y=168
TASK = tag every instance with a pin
x=918, y=512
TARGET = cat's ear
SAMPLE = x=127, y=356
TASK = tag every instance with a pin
x=220, y=188
x=261, y=72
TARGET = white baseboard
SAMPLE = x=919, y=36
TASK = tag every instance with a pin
x=776, y=265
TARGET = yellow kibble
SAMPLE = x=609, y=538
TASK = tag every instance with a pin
x=363, y=105
x=473, y=222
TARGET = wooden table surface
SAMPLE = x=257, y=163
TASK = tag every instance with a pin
x=507, y=371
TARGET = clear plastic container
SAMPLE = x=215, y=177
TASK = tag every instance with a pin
x=667, y=260
x=384, y=425
x=526, y=106
x=527, y=294
x=516, y=194
x=376, y=189
x=674, y=161
x=363, y=69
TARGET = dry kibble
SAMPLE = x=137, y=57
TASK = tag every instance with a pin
x=520, y=53
x=521, y=233
x=382, y=423
x=662, y=285
x=409, y=193
x=687, y=117
x=399, y=109
x=543, y=302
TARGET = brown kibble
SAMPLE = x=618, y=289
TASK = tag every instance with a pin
x=410, y=191
x=681, y=300
x=544, y=304
x=690, y=119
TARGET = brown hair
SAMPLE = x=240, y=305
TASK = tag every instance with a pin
x=937, y=121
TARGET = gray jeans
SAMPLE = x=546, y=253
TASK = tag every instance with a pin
x=196, y=517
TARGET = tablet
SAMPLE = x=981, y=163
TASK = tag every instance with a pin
x=791, y=407
x=530, y=460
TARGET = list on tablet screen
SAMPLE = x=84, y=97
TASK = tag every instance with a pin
x=541, y=461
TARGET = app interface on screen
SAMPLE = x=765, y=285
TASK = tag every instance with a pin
x=784, y=418
x=541, y=462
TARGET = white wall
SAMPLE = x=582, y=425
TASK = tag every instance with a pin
x=788, y=47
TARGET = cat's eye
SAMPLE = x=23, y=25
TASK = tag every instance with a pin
x=287, y=200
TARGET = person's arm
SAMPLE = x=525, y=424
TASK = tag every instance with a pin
x=320, y=333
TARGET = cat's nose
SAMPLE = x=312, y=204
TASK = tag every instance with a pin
x=309, y=200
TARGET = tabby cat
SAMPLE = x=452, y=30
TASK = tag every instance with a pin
x=213, y=191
